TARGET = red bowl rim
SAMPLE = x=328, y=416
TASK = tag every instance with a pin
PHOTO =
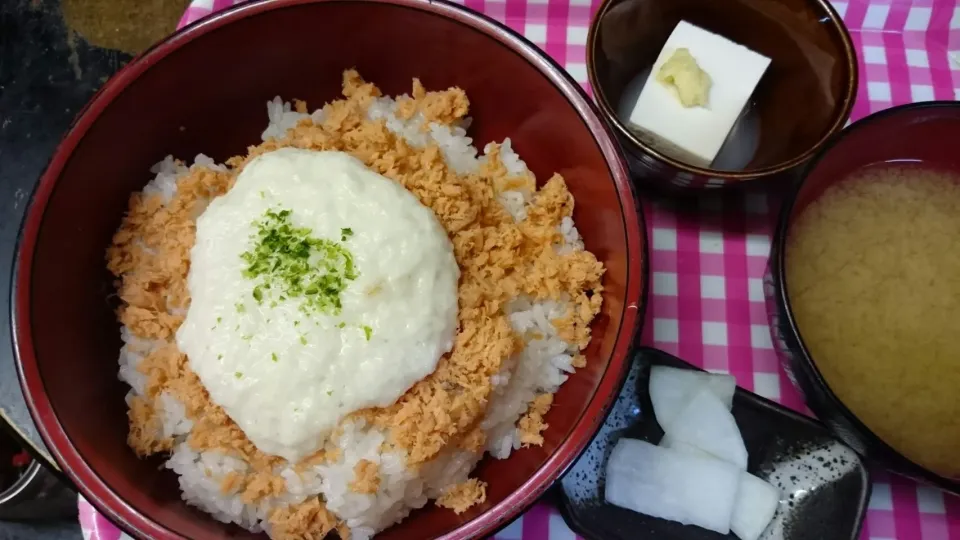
x=112, y=505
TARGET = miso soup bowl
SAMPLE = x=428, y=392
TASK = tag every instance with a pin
x=204, y=90
x=803, y=99
x=924, y=132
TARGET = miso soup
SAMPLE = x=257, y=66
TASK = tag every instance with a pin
x=873, y=278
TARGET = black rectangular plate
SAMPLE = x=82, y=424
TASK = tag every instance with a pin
x=824, y=485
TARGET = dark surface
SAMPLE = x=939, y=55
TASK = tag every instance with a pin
x=196, y=94
x=38, y=496
x=10, y=468
x=40, y=531
x=805, y=95
x=45, y=78
x=772, y=435
x=925, y=132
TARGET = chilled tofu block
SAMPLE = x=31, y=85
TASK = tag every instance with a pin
x=707, y=424
x=727, y=72
x=756, y=504
x=682, y=487
x=672, y=388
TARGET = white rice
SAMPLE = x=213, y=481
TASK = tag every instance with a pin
x=542, y=366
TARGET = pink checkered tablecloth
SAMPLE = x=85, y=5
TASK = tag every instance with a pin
x=707, y=262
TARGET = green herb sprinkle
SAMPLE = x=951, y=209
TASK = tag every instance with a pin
x=295, y=264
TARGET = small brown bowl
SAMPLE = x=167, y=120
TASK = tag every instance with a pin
x=919, y=132
x=804, y=97
x=203, y=90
